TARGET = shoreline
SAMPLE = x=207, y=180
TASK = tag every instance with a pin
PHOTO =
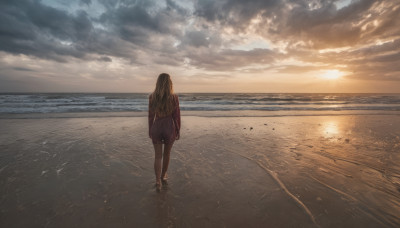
x=227, y=113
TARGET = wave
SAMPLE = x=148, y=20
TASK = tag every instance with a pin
x=101, y=102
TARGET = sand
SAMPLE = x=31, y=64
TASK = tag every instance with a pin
x=282, y=171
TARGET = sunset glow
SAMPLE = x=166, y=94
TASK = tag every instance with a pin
x=207, y=46
x=332, y=74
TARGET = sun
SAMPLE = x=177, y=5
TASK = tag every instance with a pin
x=332, y=74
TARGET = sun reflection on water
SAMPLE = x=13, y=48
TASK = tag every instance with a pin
x=330, y=129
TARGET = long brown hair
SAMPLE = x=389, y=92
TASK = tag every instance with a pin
x=162, y=99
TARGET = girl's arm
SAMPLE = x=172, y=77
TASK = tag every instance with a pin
x=151, y=116
x=176, y=115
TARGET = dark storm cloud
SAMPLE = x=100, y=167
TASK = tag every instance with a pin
x=133, y=22
x=136, y=15
x=105, y=59
x=171, y=5
x=23, y=69
x=87, y=2
x=31, y=28
x=196, y=39
x=200, y=38
x=235, y=13
x=46, y=32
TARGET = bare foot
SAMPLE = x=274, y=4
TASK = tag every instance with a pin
x=158, y=185
x=164, y=179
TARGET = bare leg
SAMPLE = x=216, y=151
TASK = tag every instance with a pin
x=157, y=163
x=167, y=151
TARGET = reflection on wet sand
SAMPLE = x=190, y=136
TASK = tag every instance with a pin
x=165, y=211
x=304, y=171
x=330, y=129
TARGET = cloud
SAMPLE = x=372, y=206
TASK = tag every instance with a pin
x=42, y=31
x=23, y=69
x=361, y=38
x=87, y=2
x=235, y=13
x=357, y=24
x=230, y=60
x=305, y=27
x=293, y=69
x=105, y=59
x=52, y=33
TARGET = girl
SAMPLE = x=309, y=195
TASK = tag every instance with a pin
x=164, y=124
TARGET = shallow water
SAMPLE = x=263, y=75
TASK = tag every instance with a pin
x=290, y=171
x=121, y=102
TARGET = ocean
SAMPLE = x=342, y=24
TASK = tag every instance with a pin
x=13, y=103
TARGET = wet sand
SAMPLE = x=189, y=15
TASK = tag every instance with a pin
x=284, y=171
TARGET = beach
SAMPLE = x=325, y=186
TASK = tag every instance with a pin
x=288, y=114
x=96, y=170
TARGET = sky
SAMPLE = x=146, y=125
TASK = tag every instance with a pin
x=267, y=46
